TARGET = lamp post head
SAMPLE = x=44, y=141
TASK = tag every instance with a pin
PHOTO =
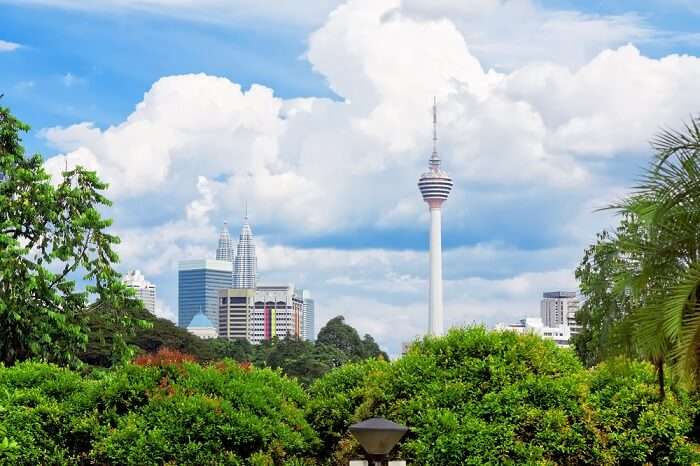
x=378, y=435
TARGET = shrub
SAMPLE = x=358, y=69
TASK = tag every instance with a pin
x=167, y=411
x=481, y=397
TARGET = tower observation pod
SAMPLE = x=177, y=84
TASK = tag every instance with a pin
x=435, y=187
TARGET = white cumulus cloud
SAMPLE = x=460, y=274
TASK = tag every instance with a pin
x=531, y=147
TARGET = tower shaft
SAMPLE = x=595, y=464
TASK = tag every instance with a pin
x=435, y=186
x=435, y=313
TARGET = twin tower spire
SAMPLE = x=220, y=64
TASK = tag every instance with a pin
x=245, y=262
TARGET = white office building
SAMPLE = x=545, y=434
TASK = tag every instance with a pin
x=145, y=290
x=236, y=306
x=278, y=312
x=560, y=335
x=308, y=331
x=559, y=308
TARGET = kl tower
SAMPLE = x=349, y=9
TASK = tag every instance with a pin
x=435, y=186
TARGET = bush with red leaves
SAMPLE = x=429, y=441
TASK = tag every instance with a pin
x=163, y=357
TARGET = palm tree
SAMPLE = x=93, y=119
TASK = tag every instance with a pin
x=662, y=255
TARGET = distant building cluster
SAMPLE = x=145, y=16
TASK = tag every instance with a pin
x=145, y=291
x=223, y=293
x=557, y=320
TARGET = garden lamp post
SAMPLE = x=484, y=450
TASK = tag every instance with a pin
x=378, y=436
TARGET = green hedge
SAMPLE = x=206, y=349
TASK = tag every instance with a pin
x=472, y=397
x=172, y=414
x=481, y=397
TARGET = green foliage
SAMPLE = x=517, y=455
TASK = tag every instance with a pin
x=48, y=234
x=167, y=414
x=145, y=338
x=604, y=315
x=642, y=283
x=480, y=397
x=306, y=361
x=336, y=333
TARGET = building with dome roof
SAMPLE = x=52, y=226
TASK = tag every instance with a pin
x=202, y=327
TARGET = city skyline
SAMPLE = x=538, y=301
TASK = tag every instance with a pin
x=300, y=113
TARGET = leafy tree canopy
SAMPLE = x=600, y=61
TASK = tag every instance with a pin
x=49, y=234
x=484, y=397
x=338, y=334
x=642, y=283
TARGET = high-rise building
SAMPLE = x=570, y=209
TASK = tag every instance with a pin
x=308, y=316
x=236, y=306
x=435, y=187
x=278, y=312
x=145, y=290
x=224, y=250
x=558, y=308
x=245, y=264
x=199, y=282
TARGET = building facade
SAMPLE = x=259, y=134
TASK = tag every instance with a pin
x=308, y=331
x=278, y=312
x=145, y=291
x=236, y=306
x=559, y=308
x=245, y=264
x=199, y=283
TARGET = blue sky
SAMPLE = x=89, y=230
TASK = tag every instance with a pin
x=327, y=145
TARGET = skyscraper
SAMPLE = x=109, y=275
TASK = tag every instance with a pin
x=245, y=264
x=199, y=282
x=224, y=251
x=308, y=320
x=435, y=186
x=145, y=290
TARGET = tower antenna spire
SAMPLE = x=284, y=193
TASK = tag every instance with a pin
x=434, y=158
x=245, y=208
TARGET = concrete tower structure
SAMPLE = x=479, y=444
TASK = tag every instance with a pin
x=245, y=264
x=435, y=186
x=224, y=251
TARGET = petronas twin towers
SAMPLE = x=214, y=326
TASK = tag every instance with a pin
x=245, y=262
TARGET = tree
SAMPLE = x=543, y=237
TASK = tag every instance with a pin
x=488, y=397
x=342, y=336
x=604, y=313
x=654, y=261
x=49, y=235
x=160, y=333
